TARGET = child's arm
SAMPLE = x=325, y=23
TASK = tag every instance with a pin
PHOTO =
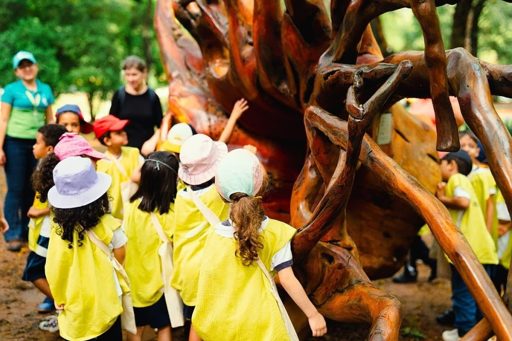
x=150, y=145
x=238, y=109
x=293, y=287
x=491, y=212
x=165, y=126
x=4, y=225
x=119, y=253
x=455, y=202
x=37, y=212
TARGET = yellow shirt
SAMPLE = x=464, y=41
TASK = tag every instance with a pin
x=83, y=280
x=485, y=186
x=35, y=224
x=471, y=221
x=130, y=160
x=234, y=301
x=507, y=254
x=191, y=229
x=142, y=262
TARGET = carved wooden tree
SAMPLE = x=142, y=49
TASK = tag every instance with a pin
x=316, y=84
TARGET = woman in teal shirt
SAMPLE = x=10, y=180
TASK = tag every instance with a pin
x=26, y=106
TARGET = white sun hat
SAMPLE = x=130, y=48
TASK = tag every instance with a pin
x=77, y=183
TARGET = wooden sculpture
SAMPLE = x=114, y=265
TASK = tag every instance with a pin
x=357, y=183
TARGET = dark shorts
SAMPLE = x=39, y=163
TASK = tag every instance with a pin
x=114, y=333
x=34, y=269
x=188, y=311
x=155, y=315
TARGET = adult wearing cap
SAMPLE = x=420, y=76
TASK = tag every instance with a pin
x=137, y=103
x=26, y=107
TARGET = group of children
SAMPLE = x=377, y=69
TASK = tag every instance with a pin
x=180, y=234
x=478, y=209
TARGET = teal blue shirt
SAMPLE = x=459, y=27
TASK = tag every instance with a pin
x=28, y=112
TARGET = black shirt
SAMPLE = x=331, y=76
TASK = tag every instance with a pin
x=144, y=112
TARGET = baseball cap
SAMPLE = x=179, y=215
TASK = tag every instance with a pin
x=85, y=127
x=177, y=135
x=22, y=55
x=108, y=123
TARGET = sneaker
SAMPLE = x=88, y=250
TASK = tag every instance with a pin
x=447, y=318
x=14, y=245
x=50, y=324
x=451, y=335
x=46, y=306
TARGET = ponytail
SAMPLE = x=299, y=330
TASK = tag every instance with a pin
x=247, y=215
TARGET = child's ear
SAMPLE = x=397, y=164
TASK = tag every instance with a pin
x=50, y=149
x=107, y=141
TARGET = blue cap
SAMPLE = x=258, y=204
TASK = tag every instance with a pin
x=69, y=108
x=22, y=55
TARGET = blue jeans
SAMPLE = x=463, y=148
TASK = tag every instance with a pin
x=464, y=305
x=20, y=196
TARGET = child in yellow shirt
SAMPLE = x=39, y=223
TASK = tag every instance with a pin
x=39, y=214
x=460, y=199
x=239, y=255
x=150, y=212
x=504, y=243
x=121, y=161
x=199, y=157
x=482, y=181
x=81, y=274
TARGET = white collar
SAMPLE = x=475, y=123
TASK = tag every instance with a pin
x=225, y=229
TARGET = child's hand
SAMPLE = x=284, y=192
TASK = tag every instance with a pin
x=239, y=108
x=4, y=225
x=440, y=191
x=250, y=148
x=37, y=212
x=317, y=324
x=503, y=228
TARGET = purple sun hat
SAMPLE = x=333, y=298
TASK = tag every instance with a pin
x=77, y=183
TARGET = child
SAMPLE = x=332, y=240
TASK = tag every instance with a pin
x=482, y=181
x=460, y=199
x=81, y=276
x=504, y=243
x=39, y=225
x=154, y=199
x=70, y=116
x=238, y=255
x=121, y=161
x=199, y=157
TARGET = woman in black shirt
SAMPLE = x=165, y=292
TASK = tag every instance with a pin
x=137, y=102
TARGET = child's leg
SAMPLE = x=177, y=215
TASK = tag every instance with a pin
x=464, y=305
x=192, y=336
x=138, y=337
x=164, y=334
x=43, y=286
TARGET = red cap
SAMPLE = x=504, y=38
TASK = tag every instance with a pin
x=108, y=123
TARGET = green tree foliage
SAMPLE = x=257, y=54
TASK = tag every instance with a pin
x=79, y=44
x=403, y=32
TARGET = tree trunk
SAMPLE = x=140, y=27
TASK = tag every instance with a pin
x=477, y=11
x=378, y=32
x=147, y=28
x=460, y=23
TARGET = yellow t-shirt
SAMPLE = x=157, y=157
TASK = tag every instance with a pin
x=471, y=221
x=485, y=186
x=234, y=301
x=191, y=229
x=35, y=224
x=82, y=279
x=130, y=160
x=142, y=262
x=507, y=254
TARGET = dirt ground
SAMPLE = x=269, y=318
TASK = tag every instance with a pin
x=19, y=319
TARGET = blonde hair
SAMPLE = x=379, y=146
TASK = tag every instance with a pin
x=247, y=215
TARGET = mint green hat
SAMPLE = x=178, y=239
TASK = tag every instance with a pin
x=239, y=171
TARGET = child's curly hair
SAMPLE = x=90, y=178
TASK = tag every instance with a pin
x=80, y=219
x=42, y=178
x=247, y=215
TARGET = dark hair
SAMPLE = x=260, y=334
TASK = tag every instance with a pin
x=80, y=219
x=469, y=134
x=51, y=133
x=42, y=178
x=134, y=62
x=247, y=215
x=158, y=182
x=103, y=137
x=462, y=159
